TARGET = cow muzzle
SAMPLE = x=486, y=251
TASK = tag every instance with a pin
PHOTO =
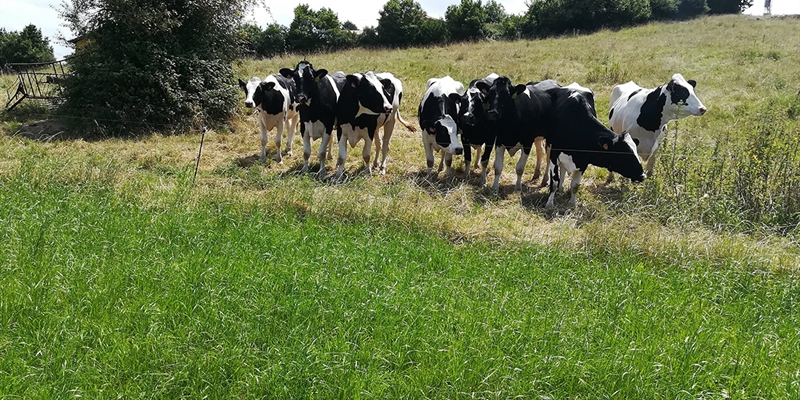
x=458, y=151
x=640, y=179
x=469, y=119
x=492, y=115
x=301, y=99
x=388, y=109
x=701, y=111
x=249, y=104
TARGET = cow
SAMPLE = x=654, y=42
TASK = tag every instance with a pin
x=644, y=113
x=577, y=138
x=520, y=114
x=274, y=99
x=438, y=112
x=367, y=102
x=477, y=132
x=316, y=93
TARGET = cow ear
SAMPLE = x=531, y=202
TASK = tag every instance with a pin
x=635, y=140
x=605, y=142
x=482, y=86
x=267, y=85
x=286, y=72
x=319, y=74
x=243, y=85
x=387, y=84
x=671, y=86
x=692, y=82
x=518, y=90
x=455, y=97
x=353, y=80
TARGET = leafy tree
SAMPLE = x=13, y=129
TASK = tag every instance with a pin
x=432, y=32
x=466, y=21
x=26, y=46
x=273, y=41
x=664, y=9
x=692, y=8
x=153, y=64
x=369, y=37
x=495, y=12
x=349, y=26
x=552, y=17
x=316, y=30
x=250, y=35
x=400, y=23
x=728, y=6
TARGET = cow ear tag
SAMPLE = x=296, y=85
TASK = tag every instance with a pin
x=316, y=79
x=486, y=106
x=513, y=96
x=605, y=146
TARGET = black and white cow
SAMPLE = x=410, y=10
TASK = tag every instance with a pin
x=317, y=93
x=274, y=99
x=438, y=112
x=477, y=132
x=578, y=138
x=368, y=101
x=644, y=113
x=520, y=114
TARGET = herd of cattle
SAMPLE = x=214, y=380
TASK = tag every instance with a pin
x=560, y=122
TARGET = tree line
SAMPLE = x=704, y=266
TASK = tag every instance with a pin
x=25, y=46
x=403, y=23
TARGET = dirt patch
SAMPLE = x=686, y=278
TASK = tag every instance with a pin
x=43, y=131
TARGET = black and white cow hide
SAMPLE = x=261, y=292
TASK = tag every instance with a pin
x=368, y=101
x=477, y=132
x=644, y=113
x=273, y=98
x=438, y=112
x=316, y=93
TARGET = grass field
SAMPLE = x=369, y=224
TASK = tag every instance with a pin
x=121, y=278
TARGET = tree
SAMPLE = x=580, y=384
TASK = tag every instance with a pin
x=153, y=64
x=553, y=17
x=273, y=41
x=664, y=9
x=349, y=26
x=692, y=8
x=400, y=23
x=728, y=6
x=26, y=46
x=466, y=21
x=317, y=30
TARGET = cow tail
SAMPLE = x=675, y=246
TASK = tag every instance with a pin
x=408, y=126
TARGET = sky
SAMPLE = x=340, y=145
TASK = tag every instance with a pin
x=16, y=14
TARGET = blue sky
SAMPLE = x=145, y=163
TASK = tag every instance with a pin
x=16, y=14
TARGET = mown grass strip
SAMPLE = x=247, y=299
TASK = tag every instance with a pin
x=101, y=297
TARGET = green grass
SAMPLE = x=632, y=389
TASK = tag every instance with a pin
x=119, y=278
x=102, y=297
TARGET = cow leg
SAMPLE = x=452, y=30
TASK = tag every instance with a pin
x=441, y=160
x=428, y=155
x=263, y=129
x=546, y=177
x=577, y=176
x=523, y=159
x=539, y=144
x=325, y=145
x=448, y=162
x=278, y=136
x=477, y=156
x=552, y=170
x=342, y=156
x=388, y=130
x=329, y=146
x=291, y=128
x=306, y=134
x=367, y=154
x=651, y=162
x=485, y=163
x=500, y=153
x=467, y=159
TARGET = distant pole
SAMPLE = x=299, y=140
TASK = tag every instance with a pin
x=199, y=152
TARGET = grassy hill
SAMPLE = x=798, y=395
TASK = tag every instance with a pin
x=119, y=277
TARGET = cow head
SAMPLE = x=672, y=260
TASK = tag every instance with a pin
x=445, y=130
x=249, y=89
x=306, y=80
x=473, y=107
x=500, y=97
x=586, y=93
x=681, y=99
x=373, y=93
x=622, y=157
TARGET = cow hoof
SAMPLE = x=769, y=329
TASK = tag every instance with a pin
x=304, y=169
x=261, y=159
x=288, y=153
x=278, y=159
x=549, y=205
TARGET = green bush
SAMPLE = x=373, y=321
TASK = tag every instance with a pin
x=25, y=46
x=152, y=65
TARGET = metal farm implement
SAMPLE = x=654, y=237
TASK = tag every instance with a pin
x=38, y=81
